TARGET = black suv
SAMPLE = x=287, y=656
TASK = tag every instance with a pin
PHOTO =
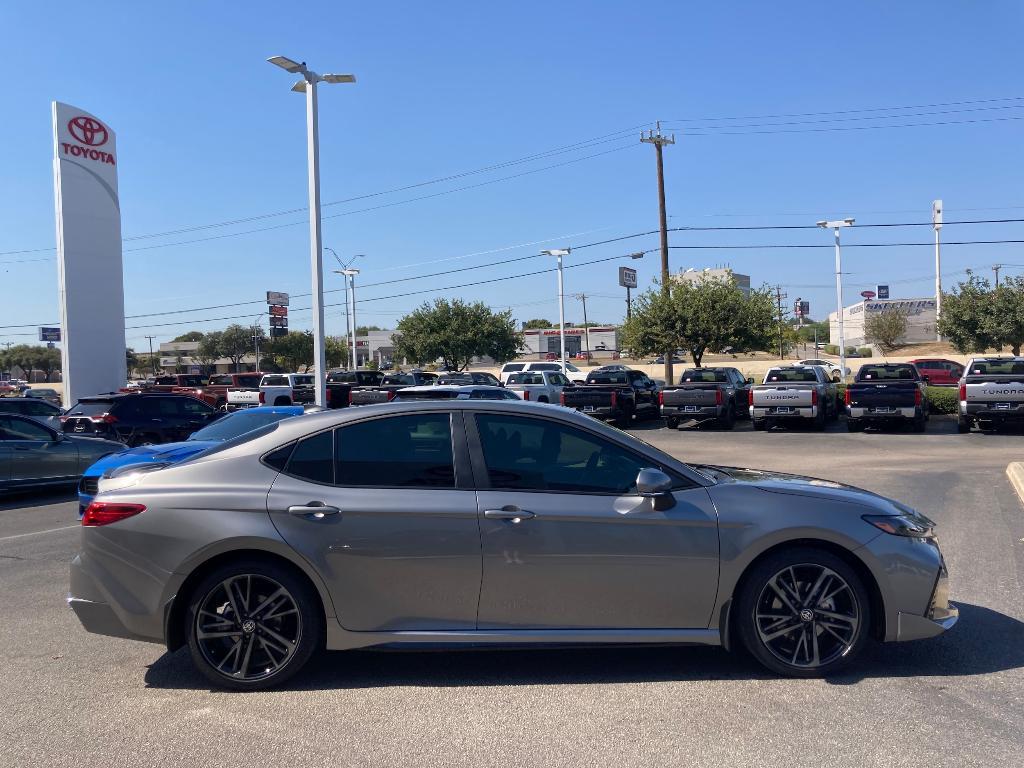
x=40, y=410
x=137, y=419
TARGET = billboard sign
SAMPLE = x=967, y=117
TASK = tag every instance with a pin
x=627, y=277
x=277, y=298
x=882, y=291
x=868, y=294
x=276, y=310
x=89, y=264
x=49, y=334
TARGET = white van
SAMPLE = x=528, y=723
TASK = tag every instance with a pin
x=572, y=373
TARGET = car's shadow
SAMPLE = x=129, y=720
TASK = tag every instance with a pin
x=39, y=498
x=984, y=641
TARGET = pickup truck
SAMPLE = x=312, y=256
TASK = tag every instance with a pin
x=991, y=393
x=215, y=392
x=887, y=393
x=341, y=383
x=615, y=396
x=275, y=389
x=538, y=386
x=389, y=385
x=705, y=394
x=793, y=394
x=178, y=383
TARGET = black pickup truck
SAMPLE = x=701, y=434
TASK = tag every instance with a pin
x=389, y=385
x=616, y=396
x=887, y=393
x=706, y=394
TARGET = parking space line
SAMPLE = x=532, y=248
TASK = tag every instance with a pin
x=39, y=533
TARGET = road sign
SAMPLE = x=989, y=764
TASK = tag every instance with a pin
x=278, y=311
x=883, y=291
x=868, y=294
x=277, y=298
x=627, y=277
x=49, y=334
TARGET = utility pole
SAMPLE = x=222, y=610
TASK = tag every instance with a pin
x=586, y=328
x=152, y=362
x=659, y=141
x=996, y=268
x=937, y=225
x=779, y=296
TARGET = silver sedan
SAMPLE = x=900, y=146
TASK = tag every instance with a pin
x=468, y=522
x=32, y=454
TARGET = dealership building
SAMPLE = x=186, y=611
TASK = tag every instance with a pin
x=603, y=341
x=920, y=320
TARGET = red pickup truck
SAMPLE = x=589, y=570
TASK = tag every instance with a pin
x=215, y=392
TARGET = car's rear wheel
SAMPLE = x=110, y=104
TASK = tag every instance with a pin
x=803, y=612
x=728, y=419
x=283, y=401
x=672, y=423
x=252, y=625
x=854, y=425
x=963, y=426
x=758, y=424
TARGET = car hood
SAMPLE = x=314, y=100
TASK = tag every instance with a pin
x=170, y=453
x=798, y=485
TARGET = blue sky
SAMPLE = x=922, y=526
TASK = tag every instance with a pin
x=208, y=132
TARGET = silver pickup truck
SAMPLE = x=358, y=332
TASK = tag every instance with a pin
x=801, y=394
x=991, y=393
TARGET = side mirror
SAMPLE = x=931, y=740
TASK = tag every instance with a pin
x=750, y=379
x=655, y=485
x=925, y=377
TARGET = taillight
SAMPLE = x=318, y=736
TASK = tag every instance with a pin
x=526, y=394
x=64, y=418
x=814, y=397
x=847, y=398
x=103, y=418
x=718, y=397
x=963, y=392
x=615, y=399
x=391, y=395
x=750, y=397
x=104, y=513
x=661, y=398
x=263, y=397
x=349, y=397
x=561, y=398
x=917, y=397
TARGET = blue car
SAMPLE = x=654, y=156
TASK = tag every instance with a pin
x=230, y=426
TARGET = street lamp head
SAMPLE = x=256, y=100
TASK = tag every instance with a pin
x=556, y=252
x=287, y=64
x=300, y=86
x=848, y=222
x=338, y=78
x=637, y=255
x=349, y=272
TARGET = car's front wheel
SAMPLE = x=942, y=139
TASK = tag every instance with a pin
x=252, y=625
x=803, y=612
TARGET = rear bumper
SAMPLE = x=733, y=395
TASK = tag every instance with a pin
x=989, y=411
x=770, y=412
x=868, y=414
x=106, y=606
x=698, y=412
x=604, y=413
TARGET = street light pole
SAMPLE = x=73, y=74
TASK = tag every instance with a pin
x=836, y=225
x=937, y=225
x=351, y=273
x=256, y=338
x=559, y=253
x=308, y=85
x=345, y=266
x=586, y=327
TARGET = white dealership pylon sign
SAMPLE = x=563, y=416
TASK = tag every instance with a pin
x=89, y=266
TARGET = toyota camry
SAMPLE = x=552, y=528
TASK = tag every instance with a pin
x=463, y=522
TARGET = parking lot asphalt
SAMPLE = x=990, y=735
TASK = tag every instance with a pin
x=70, y=698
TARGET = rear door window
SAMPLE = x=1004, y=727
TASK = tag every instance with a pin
x=313, y=459
x=401, y=451
x=91, y=408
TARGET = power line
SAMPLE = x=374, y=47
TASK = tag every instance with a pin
x=857, y=127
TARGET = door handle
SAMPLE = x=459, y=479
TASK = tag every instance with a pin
x=314, y=509
x=513, y=514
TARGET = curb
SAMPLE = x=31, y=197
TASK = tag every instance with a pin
x=1015, y=471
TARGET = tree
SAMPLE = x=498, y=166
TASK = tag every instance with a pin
x=336, y=351
x=208, y=352
x=292, y=351
x=1007, y=313
x=363, y=330
x=190, y=336
x=537, y=322
x=457, y=332
x=131, y=361
x=886, y=329
x=33, y=357
x=967, y=316
x=236, y=341
x=710, y=313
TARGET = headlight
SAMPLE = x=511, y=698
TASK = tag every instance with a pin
x=911, y=524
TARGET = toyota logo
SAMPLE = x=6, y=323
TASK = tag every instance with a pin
x=88, y=130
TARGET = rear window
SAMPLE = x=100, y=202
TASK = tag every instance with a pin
x=275, y=381
x=512, y=367
x=220, y=380
x=302, y=381
x=791, y=374
x=91, y=408
x=404, y=379
x=612, y=377
x=711, y=376
x=996, y=368
x=545, y=367
x=886, y=372
x=526, y=378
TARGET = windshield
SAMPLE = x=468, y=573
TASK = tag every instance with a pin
x=238, y=424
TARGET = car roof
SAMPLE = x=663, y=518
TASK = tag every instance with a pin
x=452, y=388
x=21, y=400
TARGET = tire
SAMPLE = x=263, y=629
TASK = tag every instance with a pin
x=819, y=422
x=826, y=634
x=963, y=426
x=918, y=424
x=758, y=424
x=623, y=421
x=286, y=640
x=542, y=399
x=283, y=401
x=728, y=421
x=854, y=425
x=672, y=423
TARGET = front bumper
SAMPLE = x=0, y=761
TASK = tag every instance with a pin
x=941, y=615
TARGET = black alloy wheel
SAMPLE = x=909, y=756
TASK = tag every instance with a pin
x=804, y=613
x=252, y=625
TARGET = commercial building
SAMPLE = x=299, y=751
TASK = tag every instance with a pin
x=714, y=273
x=604, y=341
x=920, y=320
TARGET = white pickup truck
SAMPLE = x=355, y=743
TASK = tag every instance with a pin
x=275, y=389
x=538, y=386
x=793, y=394
x=991, y=393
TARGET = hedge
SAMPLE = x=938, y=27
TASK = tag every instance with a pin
x=943, y=400
x=864, y=351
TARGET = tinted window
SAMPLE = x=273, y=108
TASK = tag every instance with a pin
x=40, y=409
x=512, y=367
x=545, y=367
x=399, y=379
x=278, y=459
x=530, y=454
x=219, y=380
x=91, y=408
x=489, y=394
x=611, y=377
x=313, y=458
x=875, y=372
x=791, y=374
x=159, y=407
x=275, y=381
x=191, y=406
x=526, y=378
x=247, y=381
x=706, y=376
x=403, y=451
x=22, y=429
x=237, y=424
